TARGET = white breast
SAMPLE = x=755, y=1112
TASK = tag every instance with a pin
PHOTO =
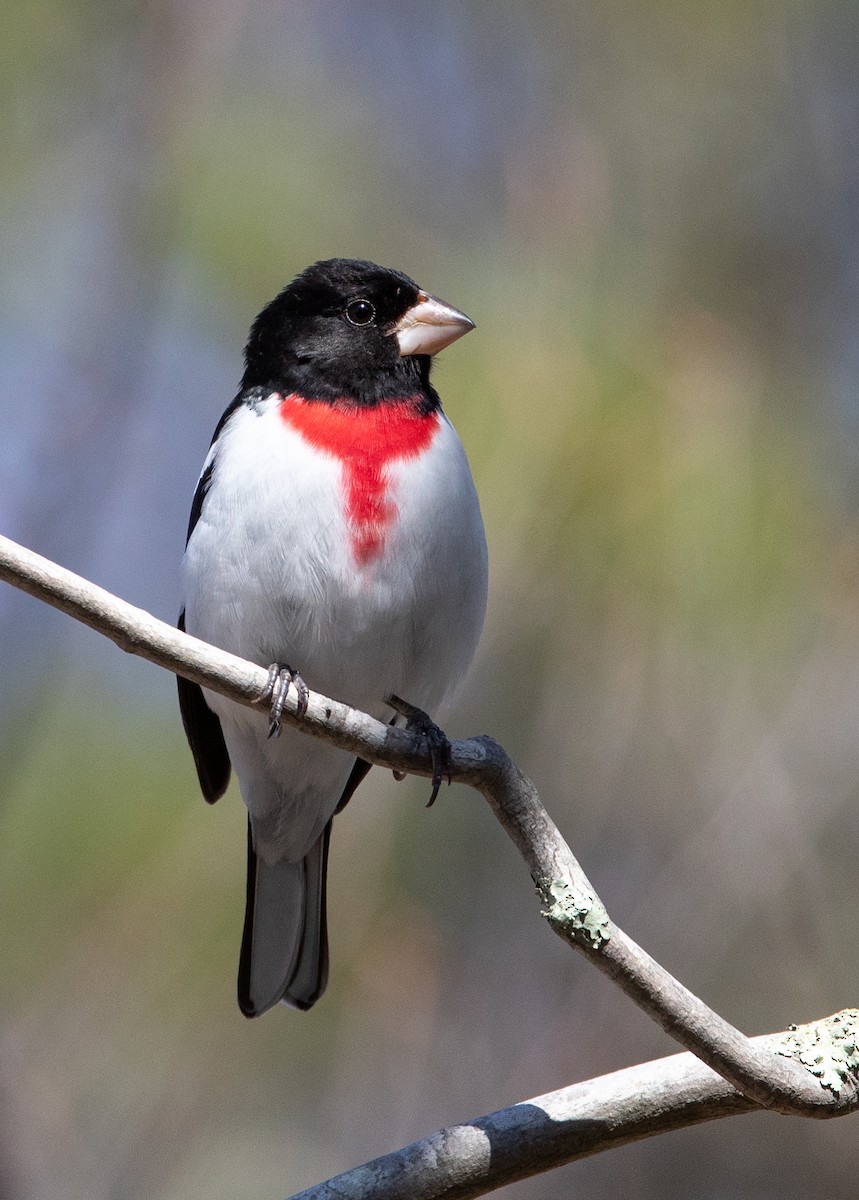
x=270, y=572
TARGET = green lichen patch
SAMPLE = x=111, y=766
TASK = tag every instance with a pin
x=577, y=913
x=829, y=1049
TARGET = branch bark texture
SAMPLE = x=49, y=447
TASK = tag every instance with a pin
x=548, y=1131
x=811, y=1072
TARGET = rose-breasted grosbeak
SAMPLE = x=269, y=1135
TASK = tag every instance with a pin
x=336, y=528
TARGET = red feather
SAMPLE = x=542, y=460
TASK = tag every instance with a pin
x=365, y=440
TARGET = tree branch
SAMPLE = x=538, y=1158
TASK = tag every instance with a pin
x=549, y=1131
x=814, y=1072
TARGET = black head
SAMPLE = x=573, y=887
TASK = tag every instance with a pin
x=348, y=329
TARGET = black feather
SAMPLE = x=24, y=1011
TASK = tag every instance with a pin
x=359, y=774
x=203, y=731
x=244, y=988
x=199, y=496
x=303, y=342
x=315, y=969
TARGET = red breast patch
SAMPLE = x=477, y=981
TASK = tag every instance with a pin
x=365, y=440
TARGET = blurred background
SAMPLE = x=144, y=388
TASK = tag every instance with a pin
x=651, y=213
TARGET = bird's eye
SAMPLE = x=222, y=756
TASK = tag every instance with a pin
x=360, y=312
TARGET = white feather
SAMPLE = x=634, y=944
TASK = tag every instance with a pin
x=270, y=574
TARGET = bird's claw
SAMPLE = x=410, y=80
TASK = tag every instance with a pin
x=417, y=721
x=276, y=690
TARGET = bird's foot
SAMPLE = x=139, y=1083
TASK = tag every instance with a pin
x=280, y=677
x=417, y=721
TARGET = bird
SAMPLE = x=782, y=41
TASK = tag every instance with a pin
x=336, y=537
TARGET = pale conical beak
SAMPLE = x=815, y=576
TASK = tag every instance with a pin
x=429, y=325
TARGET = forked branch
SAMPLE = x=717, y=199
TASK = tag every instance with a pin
x=810, y=1072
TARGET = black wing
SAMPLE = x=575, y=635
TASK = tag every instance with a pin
x=202, y=727
x=360, y=768
x=359, y=773
x=199, y=496
x=203, y=731
x=206, y=478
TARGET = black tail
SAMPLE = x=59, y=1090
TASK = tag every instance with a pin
x=285, y=941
